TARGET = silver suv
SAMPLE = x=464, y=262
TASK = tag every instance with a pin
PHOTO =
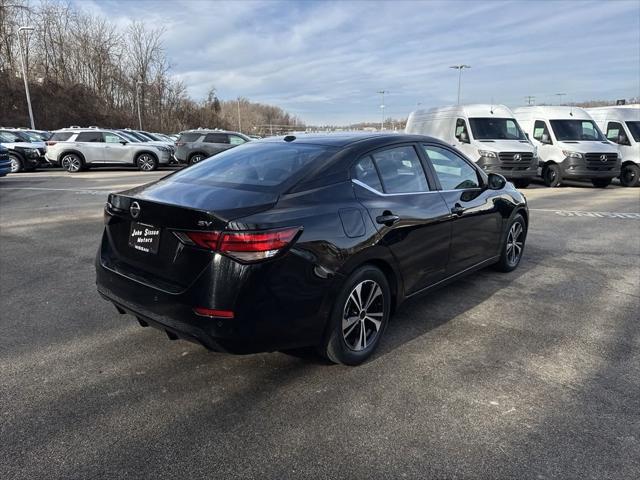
x=196, y=145
x=76, y=149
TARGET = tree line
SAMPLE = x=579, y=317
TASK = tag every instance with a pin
x=84, y=70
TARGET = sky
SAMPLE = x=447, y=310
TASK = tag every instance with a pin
x=325, y=61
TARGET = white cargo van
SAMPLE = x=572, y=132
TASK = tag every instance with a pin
x=487, y=134
x=621, y=125
x=570, y=145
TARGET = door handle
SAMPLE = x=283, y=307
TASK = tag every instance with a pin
x=388, y=219
x=457, y=210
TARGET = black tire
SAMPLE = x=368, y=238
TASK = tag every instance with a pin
x=72, y=162
x=196, y=157
x=16, y=163
x=146, y=162
x=601, y=182
x=551, y=175
x=522, y=182
x=353, y=343
x=513, y=245
x=630, y=175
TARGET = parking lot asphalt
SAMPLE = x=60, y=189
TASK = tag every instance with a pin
x=531, y=374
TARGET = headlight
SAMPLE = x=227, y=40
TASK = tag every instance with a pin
x=487, y=154
x=569, y=154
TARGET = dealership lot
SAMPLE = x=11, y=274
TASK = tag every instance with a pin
x=532, y=374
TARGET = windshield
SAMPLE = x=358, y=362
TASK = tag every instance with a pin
x=576, y=130
x=496, y=129
x=261, y=165
x=634, y=128
x=12, y=137
x=131, y=138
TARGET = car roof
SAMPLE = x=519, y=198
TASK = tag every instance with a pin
x=344, y=139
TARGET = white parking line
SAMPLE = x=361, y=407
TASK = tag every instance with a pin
x=576, y=213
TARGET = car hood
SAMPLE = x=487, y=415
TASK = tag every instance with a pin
x=505, y=145
x=588, y=147
x=34, y=145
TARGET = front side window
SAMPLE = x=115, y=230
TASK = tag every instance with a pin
x=453, y=171
x=541, y=132
x=576, y=130
x=616, y=133
x=89, y=137
x=496, y=129
x=401, y=170
x=462, y=133
x=112, y=138
x=236, y=140
x=216, y=138
x=254, y=166
x=365, y=172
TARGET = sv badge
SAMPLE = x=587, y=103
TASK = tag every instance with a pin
x=204, y=223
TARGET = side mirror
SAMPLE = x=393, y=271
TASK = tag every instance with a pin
x=527, y=135
x=123, y=142
x=463, y=137
x=622, y=140
x=496, y=181
x=545, y=139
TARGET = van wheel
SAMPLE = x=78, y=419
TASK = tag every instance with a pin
x=195, y=158
x=601, y=182
x=521, y=182
x=147, y=162
x=551, y=175
x=359, y=317
x=16, y=163
x=72, y=163
x=630, y=175
x=513, y=246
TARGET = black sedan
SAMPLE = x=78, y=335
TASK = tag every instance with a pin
x=304, y=241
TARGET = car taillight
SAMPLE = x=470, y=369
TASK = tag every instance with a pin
x=50, y=143
x=179, y=144
x=246, y=246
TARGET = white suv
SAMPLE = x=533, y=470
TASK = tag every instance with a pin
x=76, y=149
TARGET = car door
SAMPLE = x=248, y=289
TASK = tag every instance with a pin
x=462, y=135
x=116, y=148
x=542, y=140
x=411, y=216
x=92, y=146
x=216, y=143
x=476, y=219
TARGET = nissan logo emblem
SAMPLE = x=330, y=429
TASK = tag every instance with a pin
x=134, y=209
x=603, y=158
x=517, y=157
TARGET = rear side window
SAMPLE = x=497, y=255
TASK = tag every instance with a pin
x=61, y=136
x=189, y=137
x=216, y=138
x=89, y=137
x=401, y=170
x=365, y=172
x=259, y=166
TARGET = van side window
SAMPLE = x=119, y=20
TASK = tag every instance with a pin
x=616, y=134
x=365, y=172
x=453, y=171
x=462, y=132
x=541, y=132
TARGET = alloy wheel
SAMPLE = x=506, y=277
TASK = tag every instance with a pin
x=71, y=163
x=362, y=315
x=146, y=162
x=15, y=165
x=515, y=243
x=196, y=158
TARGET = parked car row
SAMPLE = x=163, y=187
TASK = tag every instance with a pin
x=551, y=142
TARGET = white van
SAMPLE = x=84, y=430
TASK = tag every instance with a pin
x=621, y=125
x=487, y=134
x=570, y=145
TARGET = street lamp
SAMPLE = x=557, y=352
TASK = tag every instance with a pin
x=560, y=95
x=24, y=73
x=239, y=122
x=459, y=68
x=139, y=83
x=382, y=92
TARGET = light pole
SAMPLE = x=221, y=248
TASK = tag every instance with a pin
x=560, y=95
x=24, y=73
x=382, y=92
x=139, y=83
x=239, y=122
x=459, y=68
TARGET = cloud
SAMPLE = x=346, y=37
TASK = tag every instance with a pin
x=325, y=61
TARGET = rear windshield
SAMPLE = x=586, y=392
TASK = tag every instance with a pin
x=189, y=137
x=61, y=136
x=496, y=129
x=258, y=166
x=576, y=130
